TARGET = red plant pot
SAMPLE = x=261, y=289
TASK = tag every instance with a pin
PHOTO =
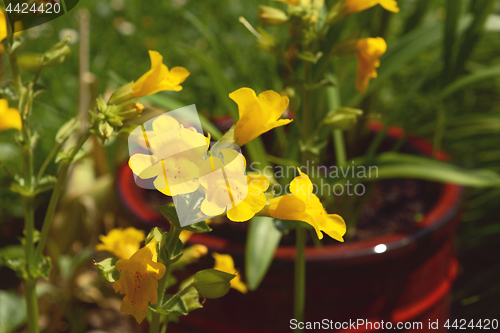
x=409, y=281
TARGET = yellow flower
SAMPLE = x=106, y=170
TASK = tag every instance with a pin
x=185, y=235
x=303, y=205
x=9, y=117
x=159, y=77
x=369, y=52
x=241, y=196
x=123, y=243
x=3, y=26
x=258, y=114
x=225, y=263
x=176, y=153
x=354, y=6
x=139, y=281
x=18, y=26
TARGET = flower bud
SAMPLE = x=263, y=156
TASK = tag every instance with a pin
x=272, y=16
x=212, y=283
x=122, y=95
x=57, y=54
x=129, y=110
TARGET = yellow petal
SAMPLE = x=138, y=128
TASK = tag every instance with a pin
x=246, y=99
x=164, y=124
x=144, y=166
x=159, y=78
x=390, y=5
x=257, y=114
x=225, y=263
x=3, y=26
x=176, y=76
x=287, y=207
x=369, y=52
x=9, y=117
x=275, y=103
x=254, y=201
x=212, y=208
x=301, y=187
x=122, y=243
x=335, y=227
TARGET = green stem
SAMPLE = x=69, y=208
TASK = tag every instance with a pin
x=301, y=233
x=179, y=294
x=170, y=244
x=340, y=153
x=47, y=161
x=300, y=275
x=31, y=305
x=56, y=194
x=154, y=327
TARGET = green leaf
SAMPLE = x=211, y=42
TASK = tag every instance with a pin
x=262, y=241
x=395, y=165
x=12, y=256
x=8, y=151
x=12, y=311
x=343, y=118
x=107, y=271
x=45, y=183
x=192, y=300
x=173, y=307
x=156, y=233
x=41, y=267
x=169, y=212
x=199, y=227
x=483, y=74
x=11, y=252
x=212, y=283
x=66, y=155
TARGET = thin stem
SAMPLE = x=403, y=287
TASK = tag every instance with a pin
x=300, y=276
x=56, y=194
x=179, y=294
x=301, y=233
x=37, y=74
x=170, y=244
x=154, y=327
x=47, y=161
x=31, y=305
x=340, y=153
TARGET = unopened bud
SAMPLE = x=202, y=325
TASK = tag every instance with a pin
x=57, y=54
x=122, y=95
x=272, y=16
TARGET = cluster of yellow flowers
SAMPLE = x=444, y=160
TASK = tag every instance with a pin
x=258, y=114
x=140, y=270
